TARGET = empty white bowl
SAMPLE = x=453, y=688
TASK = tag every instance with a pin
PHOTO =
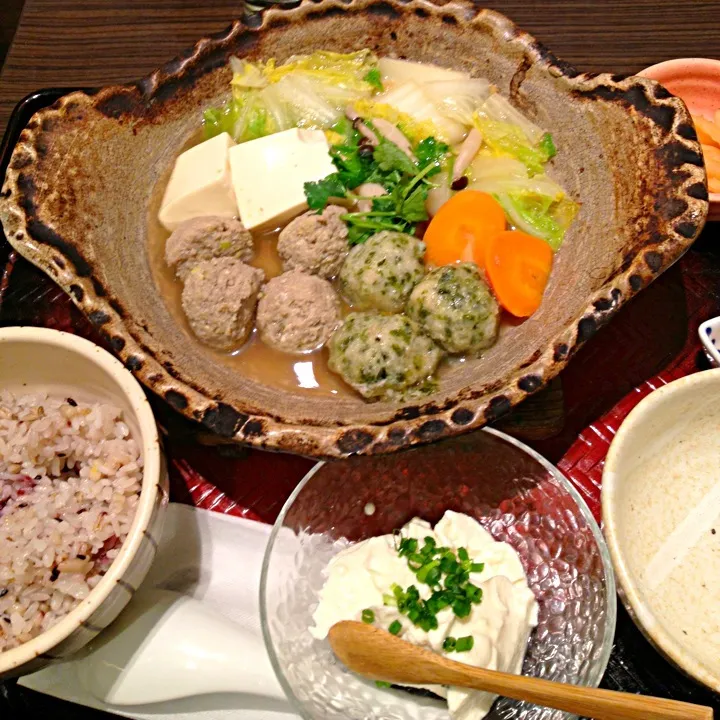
x=55, y=362
x=661, y=514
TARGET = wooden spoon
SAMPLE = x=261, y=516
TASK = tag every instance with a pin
x=378, y=655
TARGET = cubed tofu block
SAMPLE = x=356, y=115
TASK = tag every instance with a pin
x=268, y=175
x=200, y=184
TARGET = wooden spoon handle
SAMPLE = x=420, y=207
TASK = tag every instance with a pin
x=378, y=655
x=588, y=702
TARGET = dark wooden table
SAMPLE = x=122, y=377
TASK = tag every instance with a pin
x=94, y=42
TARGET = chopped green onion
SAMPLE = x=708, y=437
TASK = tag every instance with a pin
x=464, y=644
x=395, y=627
x=463, y=554
x=477, y=567
x=389, y=600
x=430, y=541
x=433, y=577
x=424, y=571
x=382, y=684
x=368, y=616
x=407, y=547
x=448, y=564
x=461, y=607
x=449, y=644
x=473, y=593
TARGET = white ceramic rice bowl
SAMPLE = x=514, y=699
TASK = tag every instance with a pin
x=64, y=364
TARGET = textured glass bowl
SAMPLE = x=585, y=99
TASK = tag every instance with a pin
x=513, y=492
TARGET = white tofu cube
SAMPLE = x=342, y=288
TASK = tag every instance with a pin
x=268, y=175
x=200, y=184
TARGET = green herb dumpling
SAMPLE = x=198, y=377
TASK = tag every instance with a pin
x=381, y=273
x=382, y=356
x=456, y=308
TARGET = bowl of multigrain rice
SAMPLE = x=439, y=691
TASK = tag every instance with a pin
x=83, y=485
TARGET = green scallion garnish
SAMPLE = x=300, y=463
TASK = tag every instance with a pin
x=395, y=627
x=368, y=616
x=382, y=684
x=464, y=644
x=449, y=644
x=446, y=572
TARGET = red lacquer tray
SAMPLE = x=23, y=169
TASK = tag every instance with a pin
x=652, y=341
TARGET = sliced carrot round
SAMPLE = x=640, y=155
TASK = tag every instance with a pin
x=462, y=228
x=518, y=267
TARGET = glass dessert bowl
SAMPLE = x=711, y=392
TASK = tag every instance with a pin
x=515, y=495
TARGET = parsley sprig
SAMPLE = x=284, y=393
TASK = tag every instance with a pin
x=407, y=183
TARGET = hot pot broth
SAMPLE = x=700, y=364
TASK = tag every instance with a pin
x=495, y=170
x=297, y=373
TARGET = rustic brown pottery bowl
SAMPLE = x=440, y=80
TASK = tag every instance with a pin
x=80, y=182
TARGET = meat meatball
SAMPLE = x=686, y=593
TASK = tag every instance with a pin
x=219, y=300
x=315, y=244
x=382, y=356
x=455, y=307
x=205, y=238
x=381, y=273
x=297, y=313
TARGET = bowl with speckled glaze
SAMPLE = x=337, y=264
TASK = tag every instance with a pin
x=661, y=519
x=514, y=493
x=697, y=82
x=81, y=179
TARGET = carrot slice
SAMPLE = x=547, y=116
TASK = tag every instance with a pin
x=712, y=165
x=518, y=267
x=462, y=228
x=710, y=151
x=708, y=132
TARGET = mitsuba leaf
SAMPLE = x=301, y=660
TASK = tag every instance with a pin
x=389, y=156
x=319, y=193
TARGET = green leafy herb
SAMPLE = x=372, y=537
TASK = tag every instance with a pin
x=318, y=193
x=373, y=78
x=431, y=152
x=413, y=207
x=368, y=616
x=389, y=156
x=405, y=182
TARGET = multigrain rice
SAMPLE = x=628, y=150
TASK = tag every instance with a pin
x=70, y=477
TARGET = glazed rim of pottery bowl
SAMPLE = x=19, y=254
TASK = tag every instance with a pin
x=608, y=572
x=659, y=214
x=702, y=67
x=628, y=588
x=149, y=442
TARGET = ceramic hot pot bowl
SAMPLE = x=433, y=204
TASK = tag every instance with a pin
x=80, y=182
